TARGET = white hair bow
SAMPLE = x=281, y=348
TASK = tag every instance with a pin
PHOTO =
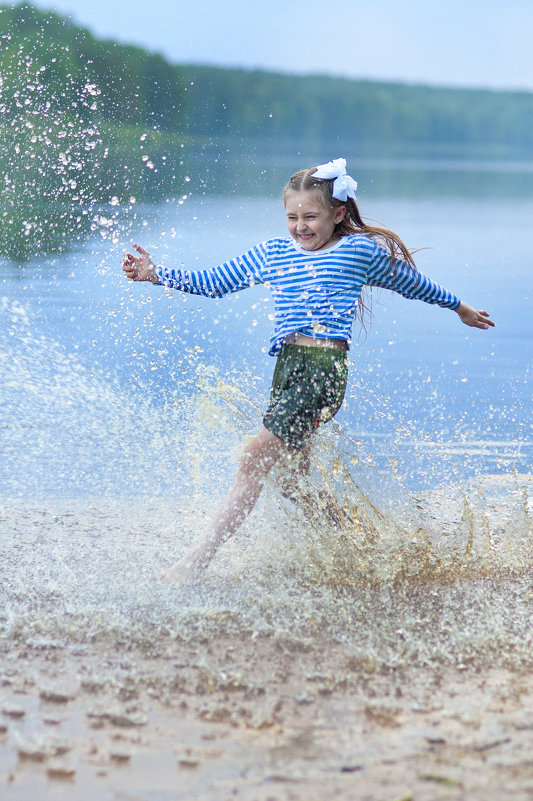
x=344, y=185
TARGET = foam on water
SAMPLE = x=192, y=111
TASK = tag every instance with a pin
x=79, y=572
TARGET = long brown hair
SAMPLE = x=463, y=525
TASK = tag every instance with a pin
x=352, y=223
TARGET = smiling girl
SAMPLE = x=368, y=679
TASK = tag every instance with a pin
x=316, y=278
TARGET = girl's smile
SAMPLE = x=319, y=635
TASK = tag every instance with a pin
x=310, y=223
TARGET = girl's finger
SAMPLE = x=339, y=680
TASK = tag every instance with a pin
x=487, y=322
x=140, y=250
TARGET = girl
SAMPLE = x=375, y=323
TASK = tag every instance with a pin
x=316, y=277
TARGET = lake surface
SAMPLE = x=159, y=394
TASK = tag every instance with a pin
x=90, y=361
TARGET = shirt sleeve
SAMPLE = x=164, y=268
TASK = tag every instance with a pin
x=399, y=276
x=215, y=282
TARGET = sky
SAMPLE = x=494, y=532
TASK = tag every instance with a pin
x=466, y=43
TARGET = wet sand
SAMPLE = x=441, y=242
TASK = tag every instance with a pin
x=269, y=680
x=260, y=719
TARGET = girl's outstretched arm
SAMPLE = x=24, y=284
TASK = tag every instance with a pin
x=141, y=267
x=473, y=317
x=214, y=282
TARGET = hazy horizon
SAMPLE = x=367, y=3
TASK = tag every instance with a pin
x=475, y=47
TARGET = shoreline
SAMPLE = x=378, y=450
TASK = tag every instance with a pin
x=258, y=720
x=270, y=680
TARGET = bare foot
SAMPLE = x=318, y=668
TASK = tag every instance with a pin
x=186, y=569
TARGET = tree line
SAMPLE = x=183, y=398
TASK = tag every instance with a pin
x=86, y=123
x=140, y=88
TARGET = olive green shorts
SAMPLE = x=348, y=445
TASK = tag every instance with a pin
x=307, y=389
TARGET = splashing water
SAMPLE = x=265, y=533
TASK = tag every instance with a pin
x=100, y=494
x=68, y=160
x=52, y=149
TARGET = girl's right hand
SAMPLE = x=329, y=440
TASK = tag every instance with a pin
x=139, y=268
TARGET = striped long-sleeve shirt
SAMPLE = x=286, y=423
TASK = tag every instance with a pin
x=315, y=292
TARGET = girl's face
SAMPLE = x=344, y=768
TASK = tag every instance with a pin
x=310, y=222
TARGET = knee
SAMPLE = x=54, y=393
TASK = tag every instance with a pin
x=262, y=452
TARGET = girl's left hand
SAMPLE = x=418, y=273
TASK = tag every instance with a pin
x=473, y=317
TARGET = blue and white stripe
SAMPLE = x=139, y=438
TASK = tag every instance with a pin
x=315, y=292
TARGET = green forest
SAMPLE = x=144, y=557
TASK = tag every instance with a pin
x=138, y=88
x=85, y=121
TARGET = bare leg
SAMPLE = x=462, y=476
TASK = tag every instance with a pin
x=289, y=474
x=259, y=457
x=319, y=505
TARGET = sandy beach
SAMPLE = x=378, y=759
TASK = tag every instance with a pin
x=257, y=719
x=271, y=680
